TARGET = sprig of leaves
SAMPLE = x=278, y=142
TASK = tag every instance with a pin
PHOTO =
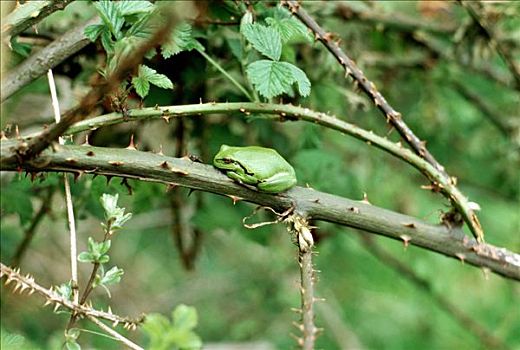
x=178, y=334
x=273, y=77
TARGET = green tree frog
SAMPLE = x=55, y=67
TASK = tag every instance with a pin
x=259, y=167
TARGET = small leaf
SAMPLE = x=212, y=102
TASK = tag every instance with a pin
x=185, y=317
x=132, y=7
x=142, y=82
x=304, y=85
x=85, y=257
x=23, y=50
x=266, y=40
x=93, y=31
x=112, y=276
x=289, y=28
x=111, y=16
x=180, y=40
x=72, y=345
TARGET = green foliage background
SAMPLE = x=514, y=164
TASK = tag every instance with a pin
x=246, y=281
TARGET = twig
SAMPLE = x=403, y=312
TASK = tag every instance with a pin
x=302, y=235
x=27, y=150
x=27, y=283
x=68, y=197
x=484, y=336
x=147, y=166
x=226, y=74
x=494, y=42
x=115, y=334
x=31, y=230
x=29, y=14
x=392, y=116
x=48, y=57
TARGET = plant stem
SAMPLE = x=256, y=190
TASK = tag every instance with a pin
x=226, y=74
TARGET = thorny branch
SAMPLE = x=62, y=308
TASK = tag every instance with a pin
x=27, y=283
x=30, y=149
x=144, y=166
x=283, y=113
x=392, y=116
x=485, y=337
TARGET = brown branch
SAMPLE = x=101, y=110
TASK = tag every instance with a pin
x=31, y=230
x=29, y=14
x=486, y=30
x=30, y=149
x=49, y=57
x=27, y=283
x=392, y=116
x=145, y=166
x=483, y=335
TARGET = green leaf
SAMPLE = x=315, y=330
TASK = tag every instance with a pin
x=65, y=290
x=184, y=317
x=112, y=276
x=111, y=16
x=180, y=40
x=304, y=85
x=141, y=86
x=72, y=345
x=266, y=40
x=271, y=78
x=132, y=7
x=289, y=29
x=146, y=76
x=86, y=257
x=93, y=31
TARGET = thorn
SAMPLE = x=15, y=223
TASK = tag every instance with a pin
x=86, y=143
x=132, y=146
x=109, y=310
x=410, y=225
x=405, y=239
x=165, y=165
x=298, y=326
x=191, y=191
x=17, y=132
x=160, y=151
x=16, y=287
x=486, y=272
x=56, y=307
x=78, y=174
x=109, y=177
x=235, y=199
x=2, y=136
x=365, y=199
x=47, y=302
x=298, y=311
x=116, y=322
x=166, y=119
x=116, y=163
x=171, y=187
x=461, y=257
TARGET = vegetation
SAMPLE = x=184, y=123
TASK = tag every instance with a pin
x=400, y=120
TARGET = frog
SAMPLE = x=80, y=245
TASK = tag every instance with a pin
x=260, y=168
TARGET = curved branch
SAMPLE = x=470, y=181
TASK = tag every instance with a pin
x=45, y=59
x=392, y=116
x=286, y=112
x=317, y=205
x=30, y=13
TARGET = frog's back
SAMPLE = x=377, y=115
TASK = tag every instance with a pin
x=257, y=157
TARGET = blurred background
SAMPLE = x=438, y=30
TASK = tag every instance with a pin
x=429, y=59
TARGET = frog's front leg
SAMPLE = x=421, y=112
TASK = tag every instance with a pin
x=277, y=183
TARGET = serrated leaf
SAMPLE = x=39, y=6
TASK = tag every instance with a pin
x=304, y=85
x=180, y=40
x=131, y=7
x=111, y=16
x=264, y=39
x=141, y=86
x=288, y=28
x=93, y=31
x=270, y=78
